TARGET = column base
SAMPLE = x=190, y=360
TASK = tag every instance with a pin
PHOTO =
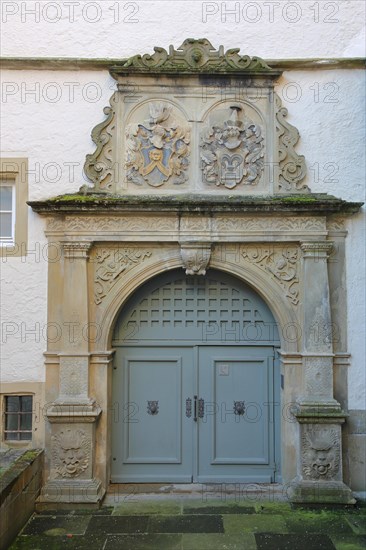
x=66, y=494
x=319, y=493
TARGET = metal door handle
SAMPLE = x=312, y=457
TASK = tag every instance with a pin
x=199, y=408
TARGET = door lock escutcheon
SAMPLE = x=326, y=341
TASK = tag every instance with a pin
x=239, y=408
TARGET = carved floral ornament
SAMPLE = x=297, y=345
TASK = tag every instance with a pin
x=132, y=224
x=110, y=263
x=281, y=263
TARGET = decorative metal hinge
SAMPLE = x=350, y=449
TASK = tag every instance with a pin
x=188, y=407
x=152, y=407
x=239, y=407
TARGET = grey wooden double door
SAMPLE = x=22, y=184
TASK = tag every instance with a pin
x=195, y=393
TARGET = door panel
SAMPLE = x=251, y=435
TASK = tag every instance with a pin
x=152, y=436
x=212, y=337
x=235, y=445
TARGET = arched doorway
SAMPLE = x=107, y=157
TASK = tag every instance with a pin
x=195, y=383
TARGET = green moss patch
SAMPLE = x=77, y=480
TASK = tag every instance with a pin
x=236, y=524
x=322, y=522
x=153, y=507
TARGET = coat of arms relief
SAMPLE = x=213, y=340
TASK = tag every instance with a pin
x=157, y=150
x=232, y=152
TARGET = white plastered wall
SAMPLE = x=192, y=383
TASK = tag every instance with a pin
x=52, y=125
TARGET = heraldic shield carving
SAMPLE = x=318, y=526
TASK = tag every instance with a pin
x=185, y=128
x=232, y=152
x=157, y=149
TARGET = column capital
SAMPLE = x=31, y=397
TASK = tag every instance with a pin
x=76, y=249
x=316, y=249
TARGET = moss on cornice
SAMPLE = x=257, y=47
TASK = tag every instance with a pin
x=310, y=203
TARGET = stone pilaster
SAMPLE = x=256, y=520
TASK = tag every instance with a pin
x=319, y=465
x=73, y=414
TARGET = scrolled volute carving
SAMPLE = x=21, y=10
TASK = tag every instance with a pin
x=194, y=55
x=98, y=166
x=292, y=167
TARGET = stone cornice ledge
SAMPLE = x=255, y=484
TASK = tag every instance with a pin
x=313, y=204
x=77, y=63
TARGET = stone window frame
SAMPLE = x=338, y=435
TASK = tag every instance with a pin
x=16, y=442
x=16, y=169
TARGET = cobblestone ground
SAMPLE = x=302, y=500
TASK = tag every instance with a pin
x=186, y=524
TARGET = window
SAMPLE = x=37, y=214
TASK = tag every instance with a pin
x=7, y=211
x=13, y=206
x=18, y=417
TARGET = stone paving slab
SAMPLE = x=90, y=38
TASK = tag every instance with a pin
x=266, y=541
x=346, y=542
x=236, y=524
x=185, y=524
x=57, y=525
x=147, y=508
x=118, y=524
x=325, y=522
x=357, y=523
x=219, y=541
x=144, y=542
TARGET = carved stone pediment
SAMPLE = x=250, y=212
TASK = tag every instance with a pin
x=198, y=56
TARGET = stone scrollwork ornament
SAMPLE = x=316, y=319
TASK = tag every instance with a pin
x=157, y=150
x=110, y=263
x=292, y=168
x=232, y=153
x=98, y=166
x=194, y=55
x=281, y=263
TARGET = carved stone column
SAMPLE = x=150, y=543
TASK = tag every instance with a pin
x=73, y=414
x=319, y=468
